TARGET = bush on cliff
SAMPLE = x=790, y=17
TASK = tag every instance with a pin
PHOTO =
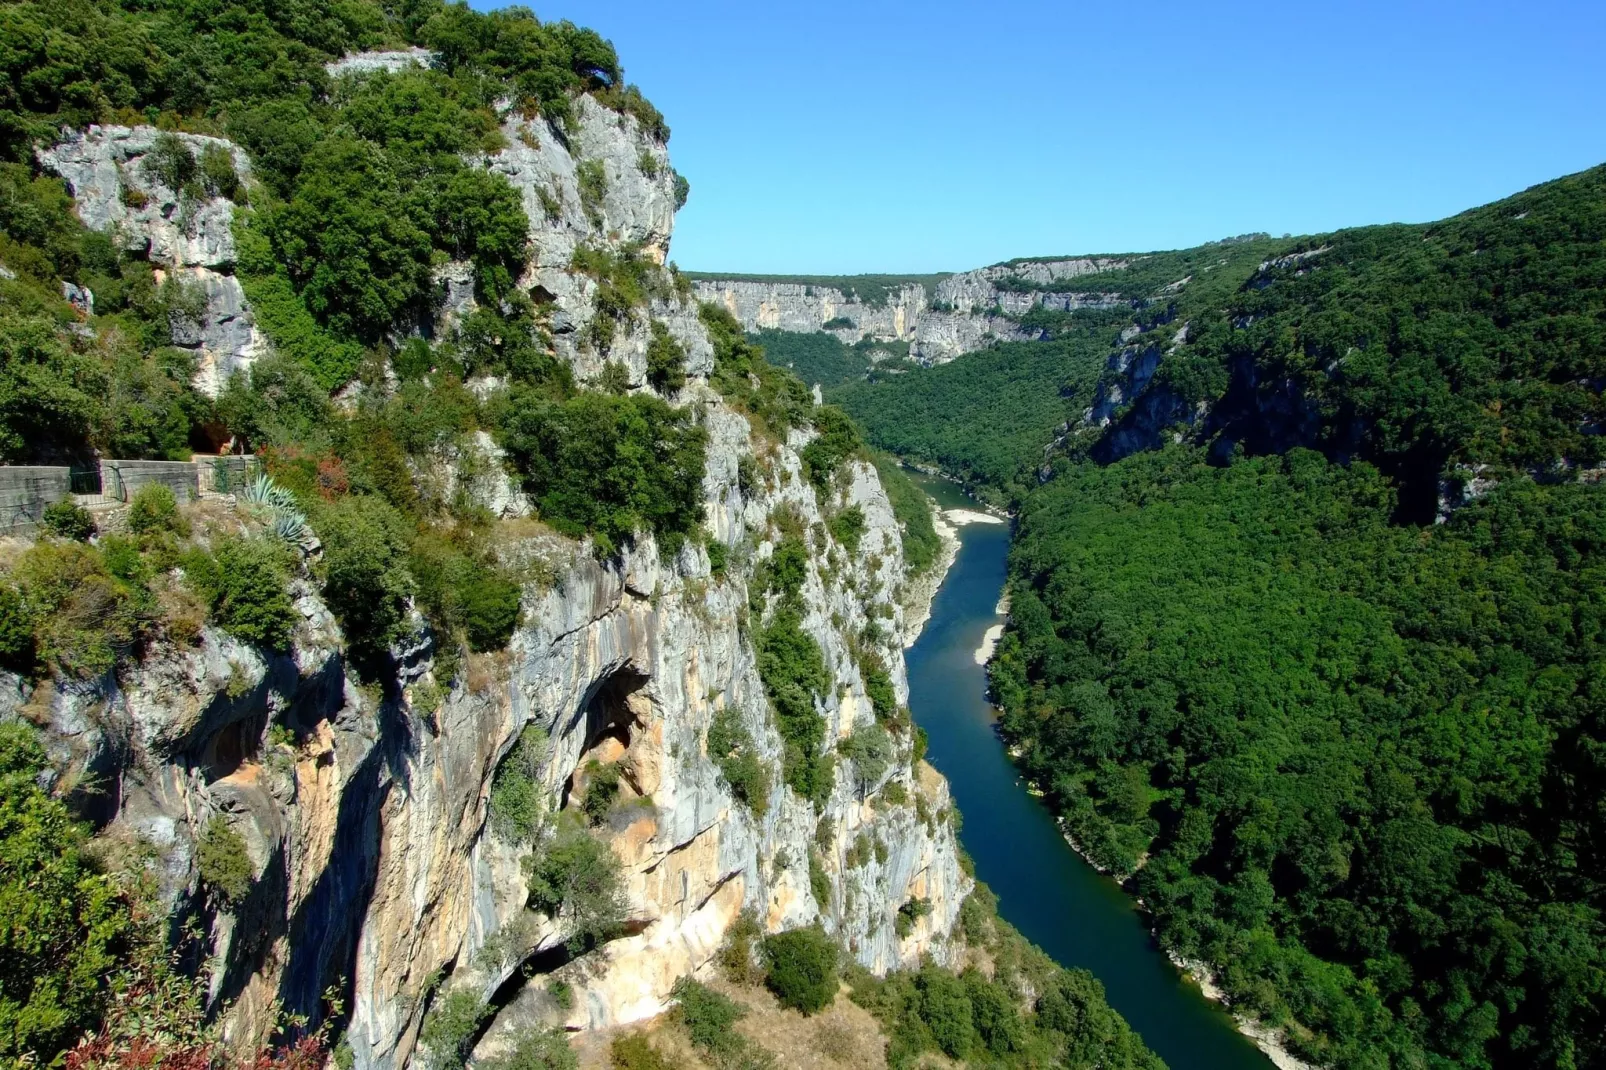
x=608, y=466
x=63, y=924
x=245, y=585
x=801, y=969
x=575, y=878
x=793, y=670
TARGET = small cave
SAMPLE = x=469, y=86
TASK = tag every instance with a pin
x=614, y=716
x=540, y=295
x=232, y=746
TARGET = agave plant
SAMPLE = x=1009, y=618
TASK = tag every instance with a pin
x=287, y=522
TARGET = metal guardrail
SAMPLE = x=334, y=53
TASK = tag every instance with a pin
x=90, y=486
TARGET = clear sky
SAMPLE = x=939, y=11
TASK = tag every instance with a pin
x=835, y=137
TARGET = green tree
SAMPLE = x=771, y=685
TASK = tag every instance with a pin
x=575, y=878
x=365, y=577
x=351, y=244
x=65, y=925
x=802, y=969
x=609, y=466
x=666, y=360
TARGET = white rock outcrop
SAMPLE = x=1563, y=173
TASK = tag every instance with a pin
x=190, y=241
x=965, y=312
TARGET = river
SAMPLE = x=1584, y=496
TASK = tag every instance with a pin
x=1045, y=889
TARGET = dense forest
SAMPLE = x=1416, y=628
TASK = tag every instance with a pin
x=1350, y=758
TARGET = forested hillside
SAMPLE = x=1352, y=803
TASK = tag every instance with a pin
x=1349, y=756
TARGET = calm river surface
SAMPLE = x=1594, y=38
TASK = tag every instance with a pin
x=1044, y=888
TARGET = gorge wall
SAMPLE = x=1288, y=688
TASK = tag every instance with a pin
x=377, y=870
x=960, y=314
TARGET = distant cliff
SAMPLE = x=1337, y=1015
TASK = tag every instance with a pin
x=939, y=316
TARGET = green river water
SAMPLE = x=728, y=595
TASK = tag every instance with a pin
x=1044, y=888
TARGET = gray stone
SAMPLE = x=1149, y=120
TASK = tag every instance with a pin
x=190, y=242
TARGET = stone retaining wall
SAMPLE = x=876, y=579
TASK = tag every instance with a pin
x=25, y=490
x=129, y=476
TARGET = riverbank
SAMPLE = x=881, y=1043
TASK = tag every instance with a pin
x=1269, y=1039
x=922, y=589
x=1044, y=889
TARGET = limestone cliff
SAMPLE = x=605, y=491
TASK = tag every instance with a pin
x=365, y=809
x=963, y=312
x=112, y=175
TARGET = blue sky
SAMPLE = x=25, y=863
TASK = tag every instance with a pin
x=832, y=137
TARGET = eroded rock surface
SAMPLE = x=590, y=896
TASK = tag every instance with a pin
x=189, y=239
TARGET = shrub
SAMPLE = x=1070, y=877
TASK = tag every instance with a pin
x=794, y=674
x=16, y=631
x=449, y=1027
x=490, y=601
x=682, y=191
x=83, y=616
x=153, y=510
x=731, y=747
x=708, y=1017
x=577, y=876
x=819, y=881
x=602, y=791
x=737, y=957
x=848, y=528
x=591, y=177
x=633, y=1052
x=908, y=914
x=68, y=520
x=802, y=965
x=518, y=810
x=244, y=582
x=463, y=597
x=838, y=440
x=535, y=1048
x=878, y=688
x=218, y=174
x=224, y=863
x=171, y=162
x=666, y=360
x=870, y=750
x=718, y=558
x=66, y=926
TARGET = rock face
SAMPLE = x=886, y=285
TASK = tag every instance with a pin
x=190, y=240
x=967, y=311
x=366, y=813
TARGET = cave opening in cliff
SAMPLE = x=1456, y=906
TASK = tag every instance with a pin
x=614, y=714
x=236, y=744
